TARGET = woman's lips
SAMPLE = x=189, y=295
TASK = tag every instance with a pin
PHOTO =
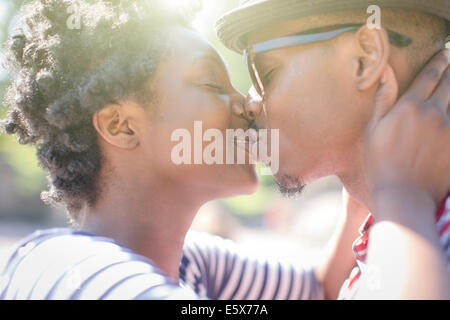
x=250, y=145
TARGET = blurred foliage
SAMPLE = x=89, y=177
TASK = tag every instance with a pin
x=30, y=178
x=255, y=204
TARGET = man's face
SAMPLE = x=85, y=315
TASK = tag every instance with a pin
x=311, y=97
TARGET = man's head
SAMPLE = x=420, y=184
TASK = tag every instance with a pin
x=321, y=95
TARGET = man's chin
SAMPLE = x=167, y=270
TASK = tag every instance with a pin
x=288, y=186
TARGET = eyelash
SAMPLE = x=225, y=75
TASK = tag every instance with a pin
x=214, y=86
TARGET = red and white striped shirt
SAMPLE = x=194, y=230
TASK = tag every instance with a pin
x=360, y=245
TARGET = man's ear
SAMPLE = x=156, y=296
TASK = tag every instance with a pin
x=114, y=125
x=372, y=57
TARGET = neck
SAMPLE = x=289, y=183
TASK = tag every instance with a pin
x=149, y=216
x=354, y=177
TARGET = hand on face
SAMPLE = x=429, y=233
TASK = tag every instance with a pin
x=408, y=145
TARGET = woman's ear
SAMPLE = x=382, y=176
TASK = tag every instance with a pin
x=115, y=126
x=372, y=57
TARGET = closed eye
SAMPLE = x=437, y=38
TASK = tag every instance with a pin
x=267, y=77
x=214, y=86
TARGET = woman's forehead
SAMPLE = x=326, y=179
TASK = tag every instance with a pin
x=191, y=43
x=191, y=46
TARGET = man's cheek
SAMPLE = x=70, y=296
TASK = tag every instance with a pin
x=277, y=112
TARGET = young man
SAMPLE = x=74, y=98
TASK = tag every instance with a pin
x=318, y=67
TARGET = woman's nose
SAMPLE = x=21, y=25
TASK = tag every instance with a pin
x=253, y=105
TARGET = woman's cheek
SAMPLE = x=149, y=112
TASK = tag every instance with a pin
x=218, y=114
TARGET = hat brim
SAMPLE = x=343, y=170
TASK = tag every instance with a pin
x=234, y=27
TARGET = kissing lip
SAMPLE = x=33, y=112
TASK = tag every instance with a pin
x=249, y=144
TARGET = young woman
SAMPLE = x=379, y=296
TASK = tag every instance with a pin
x=100, y=101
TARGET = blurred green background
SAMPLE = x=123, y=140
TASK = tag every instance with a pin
x=21, y=180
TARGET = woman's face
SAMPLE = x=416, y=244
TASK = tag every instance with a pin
x=192, y=86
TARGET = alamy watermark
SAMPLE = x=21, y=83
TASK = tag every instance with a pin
x=251, y=146
x=74, y=20
x=374, y=21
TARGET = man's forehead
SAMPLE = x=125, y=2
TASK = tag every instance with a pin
x=293, y=26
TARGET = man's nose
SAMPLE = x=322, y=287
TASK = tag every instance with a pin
x=253, y=105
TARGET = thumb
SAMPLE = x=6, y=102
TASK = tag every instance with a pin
x=386, y=96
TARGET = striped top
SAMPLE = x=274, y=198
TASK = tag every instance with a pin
x=360, y=246
x=69, y=264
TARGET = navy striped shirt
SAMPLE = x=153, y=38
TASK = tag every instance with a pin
x=70, y=264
